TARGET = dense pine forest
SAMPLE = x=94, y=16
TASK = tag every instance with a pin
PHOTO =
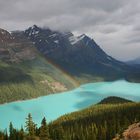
x=98, y=122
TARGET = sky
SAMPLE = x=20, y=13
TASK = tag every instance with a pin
x=113, y=24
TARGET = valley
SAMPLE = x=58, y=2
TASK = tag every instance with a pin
x=56, y=105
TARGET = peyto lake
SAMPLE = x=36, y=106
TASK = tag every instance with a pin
x=55, y=105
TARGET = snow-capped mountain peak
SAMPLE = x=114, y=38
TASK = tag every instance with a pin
x=34, y=30
x=34, y=27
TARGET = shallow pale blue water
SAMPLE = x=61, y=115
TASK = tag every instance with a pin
x=53, y=106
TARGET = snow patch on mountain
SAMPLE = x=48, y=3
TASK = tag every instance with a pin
x=109, y=58
x=73, y=39
x=56, y=41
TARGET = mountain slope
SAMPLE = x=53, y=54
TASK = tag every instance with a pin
x=98, y=122
x=25, y=73
x=79, y=56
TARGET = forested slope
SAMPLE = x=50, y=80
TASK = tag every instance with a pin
x=99, y=122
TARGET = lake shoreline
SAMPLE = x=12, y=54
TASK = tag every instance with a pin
x=53, y=106
x=34, y=98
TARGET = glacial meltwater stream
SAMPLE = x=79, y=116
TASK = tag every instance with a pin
x=56, y=105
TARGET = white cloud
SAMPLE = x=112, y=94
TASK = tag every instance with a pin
x=113, y=24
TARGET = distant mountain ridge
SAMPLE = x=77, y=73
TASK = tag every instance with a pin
x=135, y=61
x=76, y=55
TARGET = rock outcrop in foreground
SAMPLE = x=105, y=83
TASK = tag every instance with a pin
x=131, y=133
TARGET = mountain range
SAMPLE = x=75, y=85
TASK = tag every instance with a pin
x=79, y=56
x=134, y=62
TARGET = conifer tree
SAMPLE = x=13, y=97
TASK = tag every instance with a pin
x=21, y=133
x=11, y=131
x=44, y=130
x=30, y=125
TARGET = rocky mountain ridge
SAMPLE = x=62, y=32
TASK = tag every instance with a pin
x=76, y=55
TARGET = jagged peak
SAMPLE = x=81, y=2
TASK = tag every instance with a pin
x=75, y=39
x=34, y=26
x=33, y=30
x=84, y=36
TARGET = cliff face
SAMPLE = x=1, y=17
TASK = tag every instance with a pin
x=133, y=132
x=13, y=49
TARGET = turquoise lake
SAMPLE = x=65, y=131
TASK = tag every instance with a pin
x=55, y=105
